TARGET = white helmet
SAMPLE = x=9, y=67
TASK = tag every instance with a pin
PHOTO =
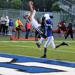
x=46, y=16
x=7, y=17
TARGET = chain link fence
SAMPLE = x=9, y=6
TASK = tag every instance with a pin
x=12, y=13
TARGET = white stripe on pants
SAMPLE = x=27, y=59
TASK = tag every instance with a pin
x=50, y=40
x=35, y=25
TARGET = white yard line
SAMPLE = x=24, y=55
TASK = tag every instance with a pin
x=62, y=51
x=8, y=71
x=3, y=59
x=46, y=66
x=10, y=46
x=23, y=46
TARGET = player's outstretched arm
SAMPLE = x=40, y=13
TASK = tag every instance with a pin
x=31, y=7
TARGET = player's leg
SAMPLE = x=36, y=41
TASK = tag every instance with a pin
x=52, y=42
x=71, y=34
x=62, y=44
x=67, y=34
x=27, y=33
x=40, y=42
x=36, y=35
x=36, y=26
x=48, y=42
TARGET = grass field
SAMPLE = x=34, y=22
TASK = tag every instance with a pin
x=28, y=48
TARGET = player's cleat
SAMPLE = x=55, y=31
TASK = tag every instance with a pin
x=13, y=61
x=38, y=45
x=44, y=56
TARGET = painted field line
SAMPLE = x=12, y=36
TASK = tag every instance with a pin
x=26, y=46
x=23, y=46
x=21, y=67
x=62, y=51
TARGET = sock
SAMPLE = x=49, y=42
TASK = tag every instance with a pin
x=45, y=51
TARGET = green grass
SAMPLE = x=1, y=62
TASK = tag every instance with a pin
x=28, y=48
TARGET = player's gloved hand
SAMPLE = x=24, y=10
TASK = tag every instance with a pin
x=30, y=3
x=49, y=27
x=43, y=35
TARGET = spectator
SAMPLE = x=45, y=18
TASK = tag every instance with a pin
x=0, y=26
x=6, y=26
x=27, y=27
x=69, y=31
x=18, y=26
x=62, y=28
x=11, y=26
x=3, y=23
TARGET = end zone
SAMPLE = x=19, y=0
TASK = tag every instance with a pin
x=34, y=66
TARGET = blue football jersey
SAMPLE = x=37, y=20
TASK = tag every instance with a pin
x=48, y=28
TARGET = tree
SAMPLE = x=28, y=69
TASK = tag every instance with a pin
x=42, y=5
x=16, y=4
x=3, y=3
x=55, y=7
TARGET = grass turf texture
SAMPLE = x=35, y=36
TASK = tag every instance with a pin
x=28, y=48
